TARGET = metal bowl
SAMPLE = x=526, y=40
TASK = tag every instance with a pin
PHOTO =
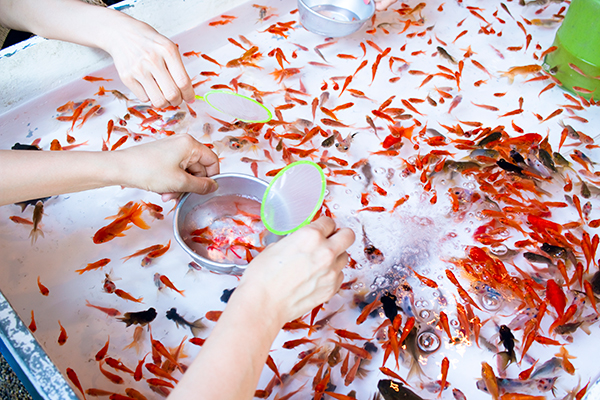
x=334, y=18
x=193, y=212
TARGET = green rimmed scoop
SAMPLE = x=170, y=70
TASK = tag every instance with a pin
x=238, y=106
x=293, y=197
x=577, y=44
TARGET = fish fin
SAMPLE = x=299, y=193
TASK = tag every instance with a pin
x=34, y=234
x=137, y=220
x=415, y=368
x=504, y=361
x=197, y=327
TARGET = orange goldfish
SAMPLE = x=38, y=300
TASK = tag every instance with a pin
x=120, y=224
x=521, y=70
x=95, y=265
x=43, y=289
x=62, y=338
x=169, y=284
x=73, y=378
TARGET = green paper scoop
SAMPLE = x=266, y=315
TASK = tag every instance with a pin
x=238, y=106
x=576, y=60
x=293, y=197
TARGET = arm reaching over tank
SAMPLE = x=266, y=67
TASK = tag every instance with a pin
x=285, y=281
x=148, y=63
x=175, y=164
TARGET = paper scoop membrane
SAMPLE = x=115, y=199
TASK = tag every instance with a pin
x=237, y=106
x=293, y=197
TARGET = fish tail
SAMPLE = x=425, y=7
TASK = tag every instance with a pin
x=197, y=327
x=34, y=234
x=415, y=369
x=136, y=218
x=505, y=359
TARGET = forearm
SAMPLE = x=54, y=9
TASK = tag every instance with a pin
x=34, y=174
x=70, y=20
x=231, y=361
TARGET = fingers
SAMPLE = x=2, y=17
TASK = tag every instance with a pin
x=200, y=185
x=169, y=91
x=207, y=163
x=137, y=89
x=325, y=225
x=165, y=82
x=210, y=161
x=342, y=239
x=339, y=240
x=341, y=261
x=180, y=77
x=382, y=5
x=166, y=197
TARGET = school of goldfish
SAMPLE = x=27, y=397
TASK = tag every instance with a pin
x=471, y=190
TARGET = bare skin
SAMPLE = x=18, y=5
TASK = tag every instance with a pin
x=176, y=164
x=382, y=5
x=285, y=281
x=148, y=63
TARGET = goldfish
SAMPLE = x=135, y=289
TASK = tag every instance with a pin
x=93, y=266
x=506, y=385
x=155, y=253
x=38, y=212
x=141, y=318
x=373, y=254
x=19, y=220
x=111, y=312
x=118, y=365
x=392, y=390
x=490, y=380
x=120, y=224
x=521, y=70
x=43, y=289
x=124, y=295
x=508, y=341
x=196, y=326
x=390, y=308
x=62, y=338
x=109, y=375
x=32, y=325
x=143, y=251
x=134, y=394
x=102, y=352
x=155, y=370
x=73, y=378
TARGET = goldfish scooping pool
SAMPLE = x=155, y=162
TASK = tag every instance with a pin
x=468, y=176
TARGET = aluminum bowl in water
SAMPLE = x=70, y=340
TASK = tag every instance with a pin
x=220, y=230
x=334, y=18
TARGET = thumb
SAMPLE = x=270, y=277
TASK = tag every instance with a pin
x=200, y=185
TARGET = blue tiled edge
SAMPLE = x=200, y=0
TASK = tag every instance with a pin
x=30, y=362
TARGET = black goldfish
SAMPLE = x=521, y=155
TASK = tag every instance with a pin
x=389, y=306
x=392, y=390
x=196, y=327
x=141, y=317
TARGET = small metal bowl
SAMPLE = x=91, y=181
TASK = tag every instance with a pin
x=193, y=213
x=334, y=18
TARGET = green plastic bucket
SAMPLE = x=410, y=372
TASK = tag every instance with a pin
x=578, y=48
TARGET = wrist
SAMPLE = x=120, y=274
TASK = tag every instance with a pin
x=113, y=25
x=112, y=168
x=258, y=303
